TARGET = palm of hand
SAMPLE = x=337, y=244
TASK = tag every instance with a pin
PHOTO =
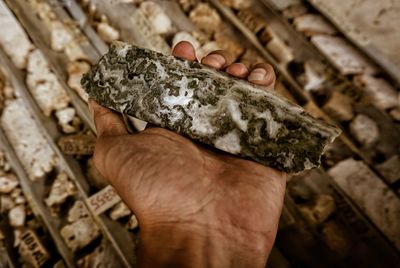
x=167, y=179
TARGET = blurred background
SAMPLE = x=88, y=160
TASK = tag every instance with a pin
x=340, y=60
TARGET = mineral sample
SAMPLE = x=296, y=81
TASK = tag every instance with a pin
x=311, y=24
x=61, y=189
x=209, y=106
x=80, y=233
x=364, y=129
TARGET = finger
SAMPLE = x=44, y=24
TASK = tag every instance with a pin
x=218, y=59
x=238, y=70
x=108, y=122
x=184, y=50
x=262, y=74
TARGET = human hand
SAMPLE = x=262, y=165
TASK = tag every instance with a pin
x=197, y=207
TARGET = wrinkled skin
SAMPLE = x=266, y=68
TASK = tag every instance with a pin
x=196, y=206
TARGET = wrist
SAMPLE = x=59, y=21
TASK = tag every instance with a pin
x=183, y=245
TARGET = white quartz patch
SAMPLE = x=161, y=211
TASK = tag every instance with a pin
x=30, y=145
x=230, y=143
x=13, y=38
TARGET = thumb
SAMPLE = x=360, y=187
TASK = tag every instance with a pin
x=107, y=122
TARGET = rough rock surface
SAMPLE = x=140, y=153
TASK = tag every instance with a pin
x=80, y=233
x=61, y=189
x=312, y=24
x=364, y=129
x=26, y=137
x=209, y=106
x=390, y=169
x=379, y=202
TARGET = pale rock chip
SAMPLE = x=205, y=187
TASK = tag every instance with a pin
x=120, y=210
x=27, y=139
x=185, y=36
x=252, y=20
x=78, y=211
x=314, y=75
x=75, y=71
x=160, y=21
x=133, y=222
x=20, y=200
x=66, y=117
x=17, y=216
x=371, y=194
x=339, y=106
x=80, y=233
x=106, y=32
x=60, y=36
x=205, y=18
x=237, y=4
x=279, y=50
x=381, y=94
x=187, y=5
x=347, y=59
x=44, y=85
x=8, y=182
x=13, y=38
x=6, y=203
x=283, y=4
x=319, y=210
x=364, y=129
x=61, y=189
x=74, y=52
x=294, y=11
x=312, y=24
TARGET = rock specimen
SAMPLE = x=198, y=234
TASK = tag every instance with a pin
x=339, y=106
x=311, y=24
x=364, y=129
x=209, y=106
x=80, y=233
x=371, y=194
x=61, y=189
x=28, y=141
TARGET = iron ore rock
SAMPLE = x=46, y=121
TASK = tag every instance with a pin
x=208, y=106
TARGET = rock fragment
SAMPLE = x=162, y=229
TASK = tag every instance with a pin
x=312, y=24
x=319, y=209
x=80, y=233
x=380, y=93
x=237, y=4
x=343, y=55
x=205, y=18
x=373, y=196
x=17, y=216
x=339, y=106
x=26, y=137
x=68, y=120
x=206, y=105
x=120, y=210
x=364, y=129
x=160, y=21
x=75, y=71
x=133, y=222
x=61, y=189
x=8, y=182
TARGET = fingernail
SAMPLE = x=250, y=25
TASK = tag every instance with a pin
x=214, y=60
x=257, y=74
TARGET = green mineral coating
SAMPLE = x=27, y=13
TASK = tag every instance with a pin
x=209, y=106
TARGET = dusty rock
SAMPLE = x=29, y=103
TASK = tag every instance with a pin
x=395, y=114
x=339, y=106
x=133, y=222
x=44, y=85
x=346, y=58
x=13, y=38
x=364, y=129
x=8, y=182
x=237, y=4
x=390, y=169
x=60, y=36
x=61, y=189
x=294, y=11
x=314, y=75
x=371, y=195
x=78, y=211
x=80, y=233
x=68, y=120
x=279, y=50
x=319, y=209
x=27, y=139
x=119, y=211
x=380, y=93
x=205, y=18
x=159, y=20
x=6, y=203
x=251, y=57
x=75, y=71
x=106, y=32
x=104, y=256
x=17, y=216
x=226, y=41
x=312, y=24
